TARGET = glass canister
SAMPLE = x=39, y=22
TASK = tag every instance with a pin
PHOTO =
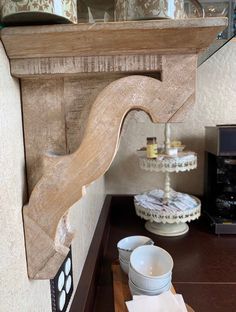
x=151, y=147
x=127, y=10
x=30, y=12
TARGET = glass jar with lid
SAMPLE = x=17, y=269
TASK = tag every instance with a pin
x=151, y=147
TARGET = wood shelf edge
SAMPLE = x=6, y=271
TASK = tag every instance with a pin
x=159, y=36
x=126, y=25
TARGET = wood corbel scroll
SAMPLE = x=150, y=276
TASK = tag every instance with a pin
x=168, y=47
x=46, y=232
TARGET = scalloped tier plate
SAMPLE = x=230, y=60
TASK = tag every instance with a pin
x=166, y=224
x=184, y=161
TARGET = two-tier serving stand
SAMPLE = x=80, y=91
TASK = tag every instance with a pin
x=162, y=222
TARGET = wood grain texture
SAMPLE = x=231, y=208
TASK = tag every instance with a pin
x=65, y=181
x=120, y=288
x=117, y=38
x=75, y=65
x=55, y=116
x=44, y=124
x=79, y=94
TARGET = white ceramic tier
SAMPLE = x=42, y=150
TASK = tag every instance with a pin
x=168, y=224
x=183, y=161
x=167, y=229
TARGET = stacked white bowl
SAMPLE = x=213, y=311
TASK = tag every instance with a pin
x=150, y=271
x=126, y=247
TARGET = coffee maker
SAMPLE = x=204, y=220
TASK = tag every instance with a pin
x=220, y=178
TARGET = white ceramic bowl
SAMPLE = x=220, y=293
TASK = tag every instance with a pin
x=146, y=283
x=128, y=244
x=124, y=265
x=158, y=277
x=138, y=291
x=151, y=261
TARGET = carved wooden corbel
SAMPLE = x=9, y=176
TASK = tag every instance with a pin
x=108, y=50
x=46, y=231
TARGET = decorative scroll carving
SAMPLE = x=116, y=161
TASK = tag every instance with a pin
x=63, y=183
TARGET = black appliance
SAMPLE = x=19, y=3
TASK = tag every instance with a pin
x=220, y=178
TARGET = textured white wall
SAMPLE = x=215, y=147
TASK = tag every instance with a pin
x=215, y=104
x=17, y=293
x=83, y=219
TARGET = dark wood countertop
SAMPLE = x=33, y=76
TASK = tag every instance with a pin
x=204, y=263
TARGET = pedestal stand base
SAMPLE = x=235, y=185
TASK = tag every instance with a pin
x=167, y=229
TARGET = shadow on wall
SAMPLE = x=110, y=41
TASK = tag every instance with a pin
x=215, y=104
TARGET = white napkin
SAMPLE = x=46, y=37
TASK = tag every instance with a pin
x=166, y=302
x=178, y=202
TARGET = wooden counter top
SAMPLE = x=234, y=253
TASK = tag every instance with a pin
x=204, y=263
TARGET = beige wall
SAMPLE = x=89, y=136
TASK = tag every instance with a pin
x=215, y=104
x=83, y=218
x=17, y=293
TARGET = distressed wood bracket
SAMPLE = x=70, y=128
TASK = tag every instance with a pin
x=128, y=48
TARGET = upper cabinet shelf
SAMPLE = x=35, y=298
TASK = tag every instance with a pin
x=109, y=39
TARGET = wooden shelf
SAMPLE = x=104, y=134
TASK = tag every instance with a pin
x=163, y=36
x=64, y=42
x=165, y=47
